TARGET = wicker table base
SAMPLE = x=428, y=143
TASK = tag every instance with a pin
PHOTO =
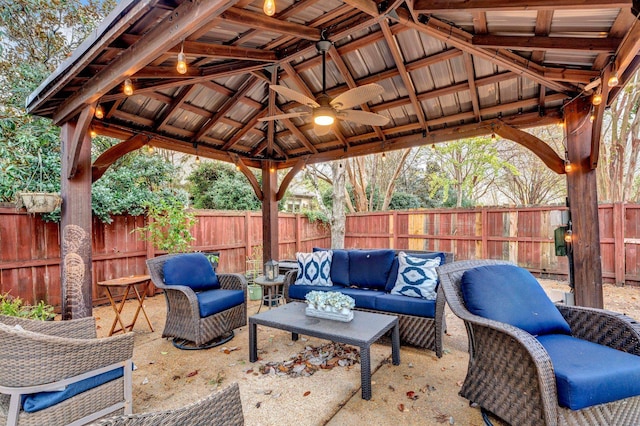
x=362, y=331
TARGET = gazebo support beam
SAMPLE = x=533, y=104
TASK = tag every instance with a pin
x=75, y=225
x=583, y=205
x=270, y=240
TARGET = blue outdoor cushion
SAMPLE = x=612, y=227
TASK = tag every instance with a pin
x=299, y=291
x=365, y=299
x=193, y=270
x=393, y=274
x=588, y=374
x=41, y=400
x=339, y=266
x=370, y=268
x=510, y=294
x=406, y=305
x=214, y=301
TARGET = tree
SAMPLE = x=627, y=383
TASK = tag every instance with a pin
x=216, y=185
x=468, y=166
x=619, y=148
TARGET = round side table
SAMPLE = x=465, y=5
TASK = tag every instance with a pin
x=270, y=293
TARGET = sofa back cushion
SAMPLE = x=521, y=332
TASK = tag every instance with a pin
x=191, y=269
x=417, y=277
x=314, y=268
x=510, y=294
x=339, y=266
x=370, y=268
x=393, y=274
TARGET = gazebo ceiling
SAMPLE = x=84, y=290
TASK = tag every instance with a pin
x=449, y=69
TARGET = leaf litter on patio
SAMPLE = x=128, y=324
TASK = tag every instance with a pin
x=312, y=359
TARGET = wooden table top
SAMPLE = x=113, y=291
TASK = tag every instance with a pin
x=125, y=281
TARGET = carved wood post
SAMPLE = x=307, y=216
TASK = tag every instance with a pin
x=75, y=226
x=583, y=205
x=270, y=249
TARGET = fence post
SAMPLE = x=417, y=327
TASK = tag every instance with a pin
x=393, y=222
x=484, y=225
x=618, y=242
x=298, y=233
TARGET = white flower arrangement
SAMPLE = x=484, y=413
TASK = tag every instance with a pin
x=329, y=301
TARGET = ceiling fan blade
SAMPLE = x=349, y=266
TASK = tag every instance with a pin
x=363, y=117
x=293, y=95
x=283, y=116
x=321, y=130
x=357, y=96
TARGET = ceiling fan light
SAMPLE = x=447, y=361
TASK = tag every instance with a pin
x=324, y=116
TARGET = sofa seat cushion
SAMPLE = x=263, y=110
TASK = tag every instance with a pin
x=214, y=301
x=339, y=266
x=299, y=291
x=510, y=294
x=393, y=303
x=370, y=268
x=393, y=273
x=314, y=268
x=417, y=277
x=41, y=400
x=365, y=299
x=191, y=269
x=589, y=374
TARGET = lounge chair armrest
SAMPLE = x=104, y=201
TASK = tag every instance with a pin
x=31, y=359
x=289, y=279
x=232, y=282
x=604, y=327
x=82, y=328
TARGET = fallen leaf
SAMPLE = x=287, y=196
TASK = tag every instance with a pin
x=408, y=377
x=412, y=395
x=401, y=407
x=193, y=373
x=249, y=371
x=307, y=393
x=176, y=377
x=392, y=388
x=164, y=353
x=258, y=404
x=459, y=383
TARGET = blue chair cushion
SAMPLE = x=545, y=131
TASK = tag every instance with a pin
x=215, y=301
x=370, y=268
x=365, y=299
x=510, y=294
x=41, y=400
x=589, y=374
x=298, y=292
x=416, y=277
x=192, y=270
x=339, y=266
x=314, y=268
x=406, y=305
x=393, y=274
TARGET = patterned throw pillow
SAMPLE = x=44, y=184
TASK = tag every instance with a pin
x=416, y=277
x=314, y=268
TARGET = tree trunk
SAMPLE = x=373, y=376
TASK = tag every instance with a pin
x=338, y=219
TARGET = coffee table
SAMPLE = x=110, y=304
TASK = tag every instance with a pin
x=362, y=331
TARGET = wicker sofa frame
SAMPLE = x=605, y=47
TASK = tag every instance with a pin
x=183, y=315
x=510, y=373
x=55, y=354
x=417, y=331
x=223, y=408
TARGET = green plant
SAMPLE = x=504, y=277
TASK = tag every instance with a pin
x=15, y=307
x=169, y=226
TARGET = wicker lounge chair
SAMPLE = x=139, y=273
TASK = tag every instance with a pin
x=511, y=374
x=45, y=356
x=184, y=322
x=222, y=408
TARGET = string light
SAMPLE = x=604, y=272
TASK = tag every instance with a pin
x=99, y=113
x=384, y=156
x=568, y=236
x=128, y=87
x=197, y=160
x=269, y=7
x=181, y=66
x=568, y=167
x=272, y=169
x=493, y=136
x=93, y=133
x=613, y=78
x=592, y=118
x=597, y=98
x=150, y=149
x=237, y=167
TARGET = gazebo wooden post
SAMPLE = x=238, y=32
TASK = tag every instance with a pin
x=583, y=205
x=270, y=248
x=75, y=225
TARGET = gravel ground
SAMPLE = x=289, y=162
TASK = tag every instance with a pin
x=422, y=390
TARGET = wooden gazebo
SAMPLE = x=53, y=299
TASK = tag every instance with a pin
x=450, y=69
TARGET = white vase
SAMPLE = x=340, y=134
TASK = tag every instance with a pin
x=345, y=311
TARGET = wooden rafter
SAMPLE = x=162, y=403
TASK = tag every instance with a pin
x=471, y=79
x=296, y=132
x=263, y=22
x=430, y=6
x=544, y=19
x=250, y=124
x=607, y=45
x=183, y=93
x=249, y=175
x=78, y=137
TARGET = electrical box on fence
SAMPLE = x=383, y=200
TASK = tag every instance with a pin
x=559, y=241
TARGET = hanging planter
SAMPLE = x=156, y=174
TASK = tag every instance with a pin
x=38, y=202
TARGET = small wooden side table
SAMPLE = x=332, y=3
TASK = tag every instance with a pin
x=130, y=284
x=271, y=294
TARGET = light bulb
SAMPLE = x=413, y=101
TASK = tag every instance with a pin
x=493, y=136
x=384, y=156
x=93, y=133
x=269, y=7
x=99, y=113
x=238, y=168
x=597, y=99
x=613, y=80
x=568, y=167
x=592, y=118
x=197, y=160
x=128, y=87
x=150, y=149
x=568, y=236
x=182, y=63
x=272, y=169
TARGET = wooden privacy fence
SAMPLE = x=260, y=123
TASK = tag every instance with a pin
x=30, y=248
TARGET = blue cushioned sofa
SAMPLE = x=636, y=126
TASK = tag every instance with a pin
x=368, y=277
x=533, y=362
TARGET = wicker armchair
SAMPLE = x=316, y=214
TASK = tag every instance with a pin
x=48, y=355
x=222, y=408
x=183, y=321
x=511, y=375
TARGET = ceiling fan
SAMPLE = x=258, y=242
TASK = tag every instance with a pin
x=324, y=109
